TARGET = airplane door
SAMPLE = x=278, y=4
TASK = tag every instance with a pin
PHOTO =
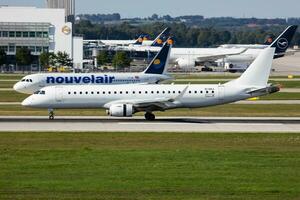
x=59, y=94
x=221, y=92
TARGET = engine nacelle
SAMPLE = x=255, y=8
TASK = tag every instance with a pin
x=185, y=63
x=120, y=110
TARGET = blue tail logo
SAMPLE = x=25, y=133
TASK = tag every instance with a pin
x=282, y=43
x=159, y=63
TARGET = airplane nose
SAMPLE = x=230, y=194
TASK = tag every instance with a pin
x=16, y=87
x=19, y=87
x=27, y=102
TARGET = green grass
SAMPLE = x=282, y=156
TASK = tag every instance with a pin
x=234, y=110
x=16, y=77
x=12, y=96
x=7, y=84
x=149, y=166
x=282, y=96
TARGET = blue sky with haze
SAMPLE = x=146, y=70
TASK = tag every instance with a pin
x=208, y=8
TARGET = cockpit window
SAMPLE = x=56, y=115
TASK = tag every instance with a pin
x=41, y=92
x=23, y=80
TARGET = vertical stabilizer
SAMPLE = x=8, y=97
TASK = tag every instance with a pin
x=259, y=71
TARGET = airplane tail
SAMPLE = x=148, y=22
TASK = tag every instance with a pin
x=159, y=64
x=161, y=38
x=269, y=40
x=259, y=71
x=282, y=43
x=140, y=40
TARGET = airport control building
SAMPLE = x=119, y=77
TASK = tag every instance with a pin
x=40, y=30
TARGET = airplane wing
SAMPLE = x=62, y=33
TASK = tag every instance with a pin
x=158, y=104
x=212, y=58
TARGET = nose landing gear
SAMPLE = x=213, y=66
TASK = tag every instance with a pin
x=149, y=116
x=51, y=114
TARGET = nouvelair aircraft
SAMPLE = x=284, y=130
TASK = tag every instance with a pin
x=156, y=72
x=188, y=57
x=126, y=100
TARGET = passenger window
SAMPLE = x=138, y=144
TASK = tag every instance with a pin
x=152, y=92
x=213, y=92
x=98, y=92
x=127, y=92
x=92, y=92
x=115, y=92
x=86, y=92
x=103, y=92
x=174, y=92
x=69, y=92
x=80, y=92
x=195, y=92
x=157, y=92
x=121, y=92
x=74, y=92
x=140, y=92
x=163, y=92
x=109, y=92
x=133, y=92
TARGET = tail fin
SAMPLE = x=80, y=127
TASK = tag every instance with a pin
x=158, y=42
x=140, y=40
x=259, y=71
x=159, y=64
x=269, y=40
x=282, y=43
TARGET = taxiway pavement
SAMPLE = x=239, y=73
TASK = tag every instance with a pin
x=162, y=124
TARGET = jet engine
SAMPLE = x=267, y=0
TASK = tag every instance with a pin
x=120, y=110
x=185, y=63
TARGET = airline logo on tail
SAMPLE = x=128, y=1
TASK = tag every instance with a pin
x=158, y=64
x=283, y=43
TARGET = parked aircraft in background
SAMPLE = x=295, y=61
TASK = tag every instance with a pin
x=126, y=100
x=156, y=72
x=142, y=40
x=235, y=58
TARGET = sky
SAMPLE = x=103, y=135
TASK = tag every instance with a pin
x=207, y=8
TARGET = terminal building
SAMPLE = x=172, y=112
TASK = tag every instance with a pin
x=40, y=30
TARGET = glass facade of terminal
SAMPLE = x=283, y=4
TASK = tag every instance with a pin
x=34, y=36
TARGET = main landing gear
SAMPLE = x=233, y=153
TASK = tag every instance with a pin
x=51, y=114
x=149, y=116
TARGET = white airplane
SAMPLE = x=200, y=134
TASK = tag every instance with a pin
x=141, y=41
x=156, y=72
x=126, y=100
x=231, y=57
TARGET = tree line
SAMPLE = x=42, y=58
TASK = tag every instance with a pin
x=184, y=35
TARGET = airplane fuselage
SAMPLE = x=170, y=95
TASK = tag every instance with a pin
x=35, y=82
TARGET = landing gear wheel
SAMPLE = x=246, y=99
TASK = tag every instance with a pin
x=149, y=116
x=51, y=114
